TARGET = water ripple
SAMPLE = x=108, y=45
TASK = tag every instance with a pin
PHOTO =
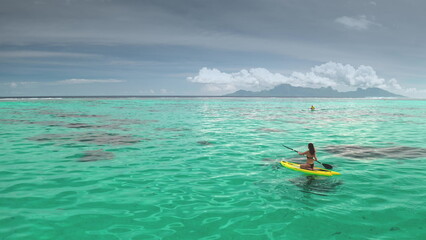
x=191, y=168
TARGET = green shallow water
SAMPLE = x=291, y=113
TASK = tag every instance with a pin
x=208, y=168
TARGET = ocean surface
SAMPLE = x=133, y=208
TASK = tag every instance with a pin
x=209, y=168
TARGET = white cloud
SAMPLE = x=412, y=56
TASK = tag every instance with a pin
x=357, y=23
x=18, y=84
x=255, y=79
x=334, y=74
x=87, y=81
x=411, y=92
x=331, y=74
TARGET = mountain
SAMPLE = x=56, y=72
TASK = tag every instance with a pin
x=286, y=90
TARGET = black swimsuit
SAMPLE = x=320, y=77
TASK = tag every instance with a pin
x=312, y=165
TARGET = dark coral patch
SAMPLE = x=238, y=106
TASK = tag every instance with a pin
x=204, y=143
x=97, y=155
x=100, y=138
x=368, y=152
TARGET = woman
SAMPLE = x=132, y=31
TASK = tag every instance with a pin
x=311, y=157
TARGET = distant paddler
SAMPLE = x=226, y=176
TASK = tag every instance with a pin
x=312, y=107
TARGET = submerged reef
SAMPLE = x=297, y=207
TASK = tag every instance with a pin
x=369, y=152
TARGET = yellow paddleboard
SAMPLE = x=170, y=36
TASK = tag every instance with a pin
x=316, y=171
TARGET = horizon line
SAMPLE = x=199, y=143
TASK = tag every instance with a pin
x=188, y=96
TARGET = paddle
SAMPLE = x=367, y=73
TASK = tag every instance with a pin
x=327, y=166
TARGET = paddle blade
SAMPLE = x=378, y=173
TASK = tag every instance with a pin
x=327, y=166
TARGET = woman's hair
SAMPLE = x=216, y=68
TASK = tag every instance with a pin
x=311, y=148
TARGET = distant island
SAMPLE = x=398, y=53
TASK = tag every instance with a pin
x=287, y=90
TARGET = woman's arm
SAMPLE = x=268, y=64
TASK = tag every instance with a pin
x=304, y=153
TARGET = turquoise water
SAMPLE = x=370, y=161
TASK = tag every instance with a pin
x=208, y=168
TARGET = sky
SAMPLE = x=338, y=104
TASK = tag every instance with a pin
x=209, y=47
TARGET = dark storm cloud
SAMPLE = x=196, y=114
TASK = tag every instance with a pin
x=194, y=22
x=304, y=29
